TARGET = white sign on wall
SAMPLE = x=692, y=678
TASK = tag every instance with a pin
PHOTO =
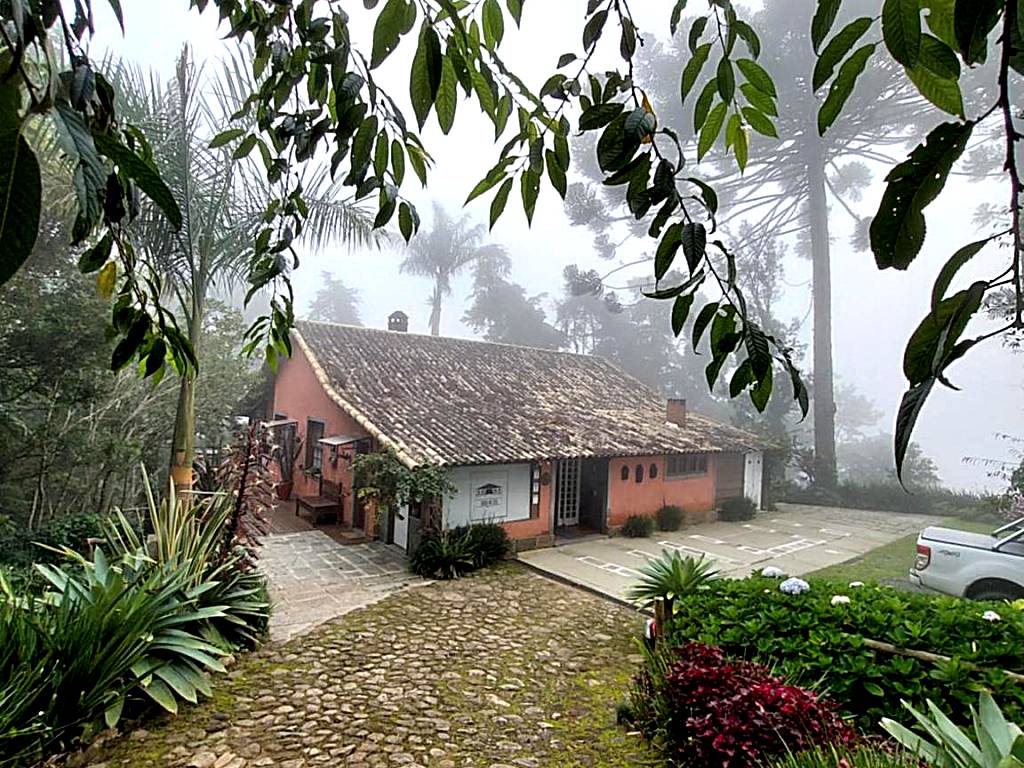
x=489, y=496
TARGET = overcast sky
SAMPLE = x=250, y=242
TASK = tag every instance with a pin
x=874, y=312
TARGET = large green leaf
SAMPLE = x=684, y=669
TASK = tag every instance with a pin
x=20, y=202
x=395, y=20
x=842, y=87
x=910, y=408
x=824, y=18
x=693, y=69
x=494, y=23
x=901, y=29
x=143, y=173
x=667, y=248
x=951, y=267
x=940, y=19
x=162, y=695
x=694, y=241
x=447, y=96
x=425, y=76
x=936, y=76
x=837, y=48
x=757, y=76
x=898, y=229
x=711, y=128
x=90, y=175
x=931, y=346
x=973, y=20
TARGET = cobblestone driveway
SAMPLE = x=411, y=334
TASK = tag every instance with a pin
x=312, y=578
x=504, y=669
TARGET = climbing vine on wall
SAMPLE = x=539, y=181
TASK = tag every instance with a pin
x=383, y=479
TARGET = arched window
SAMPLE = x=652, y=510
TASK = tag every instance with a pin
x=639, y=473
x=652, y=471
x=625, y=473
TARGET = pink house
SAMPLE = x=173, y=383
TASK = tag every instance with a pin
x=535, y=440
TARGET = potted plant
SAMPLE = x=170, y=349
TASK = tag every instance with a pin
x=287, y=454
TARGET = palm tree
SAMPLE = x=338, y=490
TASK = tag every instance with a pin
x=442, y=253
x=222, y=200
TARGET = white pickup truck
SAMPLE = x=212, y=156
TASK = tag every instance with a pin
x=978, y=566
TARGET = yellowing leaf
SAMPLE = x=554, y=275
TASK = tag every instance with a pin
x=106, y=279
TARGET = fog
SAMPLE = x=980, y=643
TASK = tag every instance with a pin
x=873, y=312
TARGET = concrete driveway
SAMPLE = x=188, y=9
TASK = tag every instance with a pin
x=797, y=538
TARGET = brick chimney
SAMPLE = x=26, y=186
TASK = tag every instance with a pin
x=398, y=322
x=675, y=411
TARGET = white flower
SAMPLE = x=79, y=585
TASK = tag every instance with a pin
x=991, y=616
x=794, y=586
x=840, y=600
x=855, y=584
x=772, y=572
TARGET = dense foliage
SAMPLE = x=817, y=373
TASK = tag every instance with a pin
x=993, y=742
x=862, y=756
x=381, y=477
x=737, y=509
x=142, y=620
x=891, y=497
x=816, y=643
x=637, y=527
x=458, y=551
x=669, y=517
x=703, y=708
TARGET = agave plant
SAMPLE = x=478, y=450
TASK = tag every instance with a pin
x=188, y=540
x=996, y=742
x=671, y=576
x=138, y=621
x=445, y=555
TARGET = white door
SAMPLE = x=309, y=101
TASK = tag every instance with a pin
x=752, y=474
x=567, y=492
x=401, y=532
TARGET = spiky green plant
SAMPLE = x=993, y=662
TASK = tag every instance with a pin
x=188, y=539
x=994, y=743
x=445, y=555
x=671, y=576
x=847, y=757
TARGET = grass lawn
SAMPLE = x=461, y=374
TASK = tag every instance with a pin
x=891, y=562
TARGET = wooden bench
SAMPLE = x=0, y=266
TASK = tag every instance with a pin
x=325, y=507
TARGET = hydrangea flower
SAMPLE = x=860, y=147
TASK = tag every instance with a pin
x=991, y=616
x=772, y=572
x=855, y=584
x=840, y=600
x=794, y=586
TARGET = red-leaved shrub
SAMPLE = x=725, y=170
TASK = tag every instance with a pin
x=714, y=711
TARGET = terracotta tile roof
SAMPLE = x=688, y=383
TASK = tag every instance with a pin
x=439, y=400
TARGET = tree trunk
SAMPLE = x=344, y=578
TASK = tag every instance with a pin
x=824, y=389
x=183, y=443
x=435, y=312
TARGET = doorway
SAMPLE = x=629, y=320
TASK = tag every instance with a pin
x=581, y=493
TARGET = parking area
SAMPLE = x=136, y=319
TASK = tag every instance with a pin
x=796, y=538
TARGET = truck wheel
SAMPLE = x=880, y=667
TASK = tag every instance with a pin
x=995, y=591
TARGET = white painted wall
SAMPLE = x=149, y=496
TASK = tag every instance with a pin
x=494, y=493
x=752, y=473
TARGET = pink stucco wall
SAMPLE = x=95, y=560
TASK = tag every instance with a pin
x=299, y=395
x=695, y=495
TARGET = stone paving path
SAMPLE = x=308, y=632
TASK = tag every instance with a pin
x=503, y=669
x=312, y=578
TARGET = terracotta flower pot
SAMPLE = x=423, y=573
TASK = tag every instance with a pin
x=284, y=490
